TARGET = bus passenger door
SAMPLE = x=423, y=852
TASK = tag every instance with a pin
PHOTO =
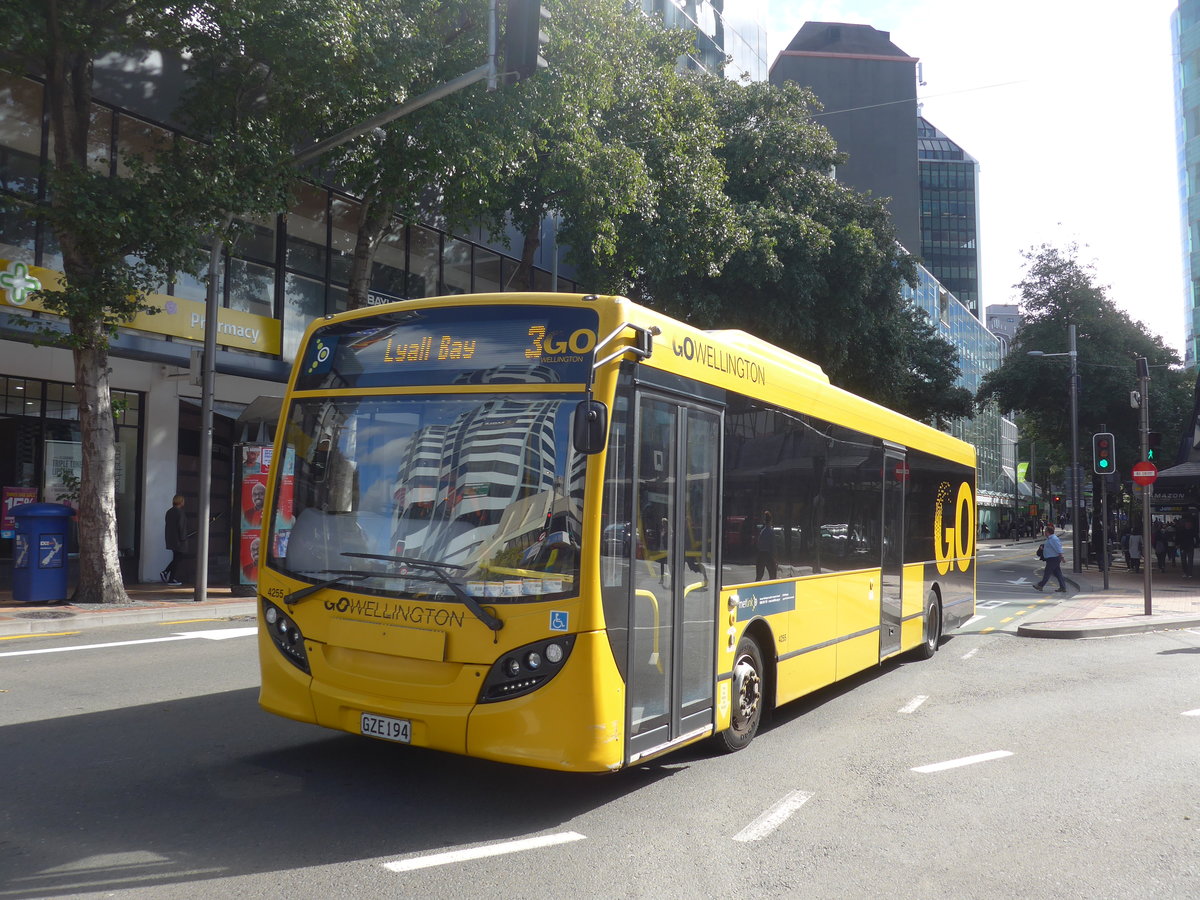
x=895, y=480
x=674, y=586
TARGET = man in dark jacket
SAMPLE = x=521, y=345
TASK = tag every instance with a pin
x=175, y=534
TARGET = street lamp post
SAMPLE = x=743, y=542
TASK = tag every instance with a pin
x=1077, y=556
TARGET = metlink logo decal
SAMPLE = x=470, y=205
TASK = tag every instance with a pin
x=954, y=534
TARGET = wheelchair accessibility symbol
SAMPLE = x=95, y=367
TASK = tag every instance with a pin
x=558, y=620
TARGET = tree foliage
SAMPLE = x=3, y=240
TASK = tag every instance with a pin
x=1059, y=290
x=816, y=265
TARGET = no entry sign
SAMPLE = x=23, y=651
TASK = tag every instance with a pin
x=1145, y=473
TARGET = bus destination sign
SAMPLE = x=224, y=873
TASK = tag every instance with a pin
x=452, y=345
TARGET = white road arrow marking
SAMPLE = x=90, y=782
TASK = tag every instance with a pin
x=223, y=634
x=453, y=856
x=965, y=761
x=773, y=817
x=220, y=635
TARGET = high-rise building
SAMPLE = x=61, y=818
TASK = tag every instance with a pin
x=949, y=213
x=868, y=87
x=730, y=37
x=1185, y=34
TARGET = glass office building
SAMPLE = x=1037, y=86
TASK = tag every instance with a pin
x=978, y=352
x=724, y=29
x=949, y=213
x=1185, y=32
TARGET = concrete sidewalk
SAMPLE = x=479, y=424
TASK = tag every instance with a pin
x=1090, y=610
x=148, y=603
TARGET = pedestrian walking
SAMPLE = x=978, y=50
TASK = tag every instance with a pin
x=1160, y=547
x=1185, y=538
x=1052, y=551
x=1135, y=551
x=175, y=535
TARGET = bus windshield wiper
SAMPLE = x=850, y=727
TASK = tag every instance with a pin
x=438, y=570
x=342, y=578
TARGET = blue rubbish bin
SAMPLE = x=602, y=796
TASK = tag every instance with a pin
x=40, y=560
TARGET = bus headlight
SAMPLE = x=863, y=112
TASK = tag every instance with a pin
x=285, y=635
x=525, y=669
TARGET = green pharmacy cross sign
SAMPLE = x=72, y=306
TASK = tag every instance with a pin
x=19, y=284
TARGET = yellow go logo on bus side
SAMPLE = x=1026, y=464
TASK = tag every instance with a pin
x=954, y=536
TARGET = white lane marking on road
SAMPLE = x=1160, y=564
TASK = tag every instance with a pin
x=965, y=761
x=972, y=620
x=911, y=705
x=1191, y=712
x=454, y=856
x=970, y=653
x=220, y=635
x=773, y=817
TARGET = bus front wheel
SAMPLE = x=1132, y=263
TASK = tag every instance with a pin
x=747, y=696
x=933, y=628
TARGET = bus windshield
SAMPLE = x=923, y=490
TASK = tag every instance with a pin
x=398, y=494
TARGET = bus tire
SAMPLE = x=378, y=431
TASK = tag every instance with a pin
x=933, y=628
x=748, y=696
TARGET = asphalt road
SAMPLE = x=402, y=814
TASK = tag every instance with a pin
x=1004, y=767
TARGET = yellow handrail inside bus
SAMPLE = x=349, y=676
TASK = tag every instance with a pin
x=655, y=659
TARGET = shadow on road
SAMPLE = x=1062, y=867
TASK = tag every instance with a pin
x=212, y=787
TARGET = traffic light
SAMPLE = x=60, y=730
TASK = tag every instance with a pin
x=1104, y=453
x=1154, y=443
x=524, y=37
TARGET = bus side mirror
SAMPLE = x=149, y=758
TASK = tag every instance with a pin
x=590, y=426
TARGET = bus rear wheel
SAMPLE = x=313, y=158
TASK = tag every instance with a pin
x=747, y=696
x=933, y=628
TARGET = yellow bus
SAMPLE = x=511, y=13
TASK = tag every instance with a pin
x=567, y=531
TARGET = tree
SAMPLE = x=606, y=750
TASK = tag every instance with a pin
x=120, y=237
x=1059, y=290
x=818, y=265
x=618, y=145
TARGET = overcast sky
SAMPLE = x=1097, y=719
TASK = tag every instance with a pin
x=1068, y=105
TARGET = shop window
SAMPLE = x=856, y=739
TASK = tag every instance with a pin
x=456, y=267
x=337, y=299
x=18, y=233
x=487, y=271
x=20, y=134
x=255, y=239
x=62, y=401
x=139, y=140
x=21, y=397
x=388, y=271
x=193, y=287
x=344, y=235
x=303, y=300
x=423, y=260
x=307, y=239
x=511, y=281
x=251, y=288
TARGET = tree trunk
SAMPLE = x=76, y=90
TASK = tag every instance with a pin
x=533, y=240
x=99, y=562
x=374, y=224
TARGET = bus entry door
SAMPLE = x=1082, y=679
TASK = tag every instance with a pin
x=895, y=480
x=674, y=586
